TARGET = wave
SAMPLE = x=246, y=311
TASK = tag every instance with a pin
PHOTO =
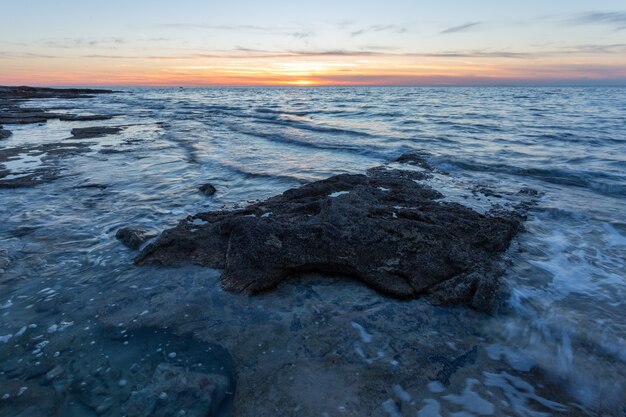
x=615, y=187
x=377, y=153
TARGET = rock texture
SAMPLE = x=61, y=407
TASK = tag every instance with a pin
x=49, y=154
x=178, y=391
x=134, y=237
x=207, y=189
x=12, y=113
x=383, y=228
x=94, y=132
x=4, y=133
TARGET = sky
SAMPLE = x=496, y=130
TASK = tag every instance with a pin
x=275, y=42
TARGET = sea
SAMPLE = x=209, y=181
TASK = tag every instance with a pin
x=73, y=302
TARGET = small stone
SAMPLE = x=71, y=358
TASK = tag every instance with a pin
x=134, y=237
x=207, y=189
x=172, y=355
x=163, y=396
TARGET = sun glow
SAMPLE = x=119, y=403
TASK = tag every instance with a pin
x=301, y=82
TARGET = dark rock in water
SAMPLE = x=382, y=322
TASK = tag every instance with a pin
x=5, y=261
x=4, y=133
x=207, y=189
x=173, y=389
x=84, y=117
x=24, y=92
x=382, y=228
x=134, y=237
x=94, y=132
x=25, y=399
x=414, y=158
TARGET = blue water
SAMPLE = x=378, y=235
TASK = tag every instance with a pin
x=563, y=315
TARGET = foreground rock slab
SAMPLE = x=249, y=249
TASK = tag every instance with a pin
x=383, y=228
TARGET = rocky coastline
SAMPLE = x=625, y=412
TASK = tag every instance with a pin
x=13, y=113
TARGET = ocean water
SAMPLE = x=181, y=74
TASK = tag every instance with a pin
x=556, y=347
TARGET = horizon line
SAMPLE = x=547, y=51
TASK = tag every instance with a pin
x=598, y=83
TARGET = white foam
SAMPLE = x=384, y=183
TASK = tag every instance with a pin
x=471, y=401
x=365, y=336
x=338, y=193
x=436, y=387
x=520, y=393
x=431, y=409
x=391, y=408
x=401, y=393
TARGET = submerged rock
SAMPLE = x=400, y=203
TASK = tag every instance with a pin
x=134, y=237
x=26, y=399
x=94, y=132
x=4, y=134
x=178, y=391
x=382, y=228
x=207, y=189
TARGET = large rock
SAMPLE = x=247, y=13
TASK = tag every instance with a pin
x=382, y=228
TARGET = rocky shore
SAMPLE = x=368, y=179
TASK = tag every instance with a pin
x=337, y=290
x=12, y=113
x=384, y=228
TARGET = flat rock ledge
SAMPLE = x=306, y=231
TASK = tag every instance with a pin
x=383, y=228
x=95, y=131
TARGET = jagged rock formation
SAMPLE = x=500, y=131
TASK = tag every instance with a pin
x=383, y=228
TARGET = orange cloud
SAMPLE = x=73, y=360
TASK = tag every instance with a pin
x=267, y=68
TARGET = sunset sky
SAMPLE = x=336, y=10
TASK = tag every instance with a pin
x=243, y=42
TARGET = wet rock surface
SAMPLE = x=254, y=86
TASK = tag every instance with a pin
x=43, y=160
x=12, y=113
x=49, y=154
x=207, y=189
x=139, y=372
x=383, y=228
x=134, y=237
x=174, y=389
x=4, y=134
x=94, y=132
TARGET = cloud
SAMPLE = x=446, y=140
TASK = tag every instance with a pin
x=460, y=28
x=270, y=30
x=11, y=55
x=303, y=34
x=615, y=19
x=238, y=28
x=70, y=43
x=243, y=53
x=379, y=28
x=619, y=48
